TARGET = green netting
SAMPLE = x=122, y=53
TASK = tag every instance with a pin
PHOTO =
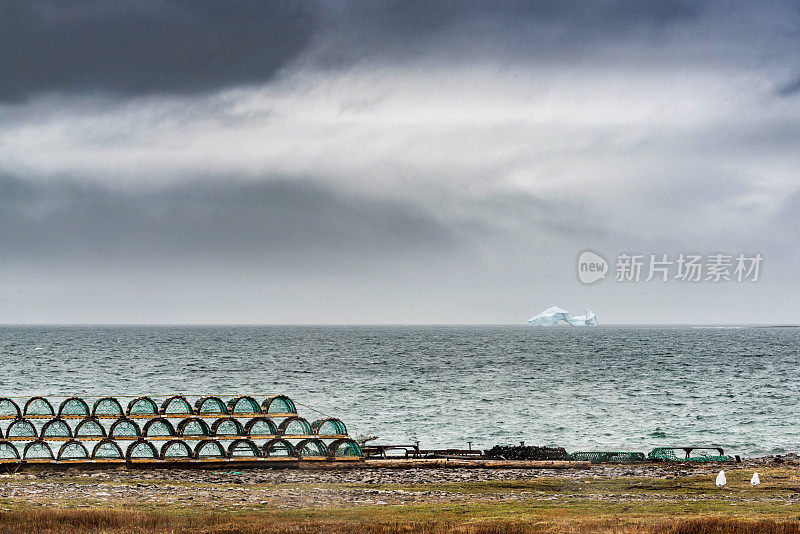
x=38, y=449
x=277, y=447
x=176, y=449
x=310, y=447
x=278, y=404
x=56, y=428
x=107, y=449
x=158, y=427
x=73, y=450
x=141, y=449
x=678, y=454
x=176, y=404
x=107, y=406
x=227, y=426
x=294, y=426
x=8, y=450
x=74, y=406
x=664, y=454
x=210, y=405
x=124, y=428
x=90, y=428
x=38, y=406
x=329, y=427
x=608, y=457
x=9, y=407
x=193, y=426
x=241, y=448
x=142, y=406
x=244, y=405
x=21, y=428
x=344, y=447
x=260, y=426
x=210, y=448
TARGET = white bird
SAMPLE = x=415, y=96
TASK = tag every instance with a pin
x=755, y=481
x=721, y=480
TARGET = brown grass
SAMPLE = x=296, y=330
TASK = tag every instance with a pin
x=625, y=505
x=69, y=521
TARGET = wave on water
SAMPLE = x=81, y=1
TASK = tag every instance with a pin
x=609, y=388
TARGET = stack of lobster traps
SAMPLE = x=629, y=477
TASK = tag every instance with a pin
x=177, y=429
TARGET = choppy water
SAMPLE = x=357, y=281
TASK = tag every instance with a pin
x=605, y=388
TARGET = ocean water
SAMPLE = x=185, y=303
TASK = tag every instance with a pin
x=604, y=388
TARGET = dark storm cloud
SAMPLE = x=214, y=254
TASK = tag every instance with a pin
x=282, y=222
x=467, y=151
x=286, y=224
x=473, y=28
x=790, y=89
x=574, y=18
x=146, y=46
x=181, y=46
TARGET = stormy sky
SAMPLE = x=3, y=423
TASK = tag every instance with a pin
x=393, y=162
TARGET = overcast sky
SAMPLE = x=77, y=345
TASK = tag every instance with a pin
x=393, y=162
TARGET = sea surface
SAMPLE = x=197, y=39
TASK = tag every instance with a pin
x=603, y=388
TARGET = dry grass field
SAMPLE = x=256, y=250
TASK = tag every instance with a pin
x=572, y=503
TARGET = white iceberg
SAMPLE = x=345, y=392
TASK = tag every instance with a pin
x=589, y=319
x=550, y=317
x=554, y=315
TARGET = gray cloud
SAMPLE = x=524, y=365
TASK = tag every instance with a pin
x=790, y=89
x=282, y=223
x=182, y=46
x=512, y=30
x=179, y=46
x=389, y=161
x=148, y=46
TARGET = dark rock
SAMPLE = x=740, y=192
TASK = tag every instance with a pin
x=530, y=452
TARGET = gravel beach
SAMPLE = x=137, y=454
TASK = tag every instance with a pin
x=294, y=488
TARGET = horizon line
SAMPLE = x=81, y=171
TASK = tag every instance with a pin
x=3, y=325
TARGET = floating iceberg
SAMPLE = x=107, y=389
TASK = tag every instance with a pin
x=554, y=315
x=550, y=317
x=590, y=319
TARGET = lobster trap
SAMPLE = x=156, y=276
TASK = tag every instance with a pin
x=167, y=430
